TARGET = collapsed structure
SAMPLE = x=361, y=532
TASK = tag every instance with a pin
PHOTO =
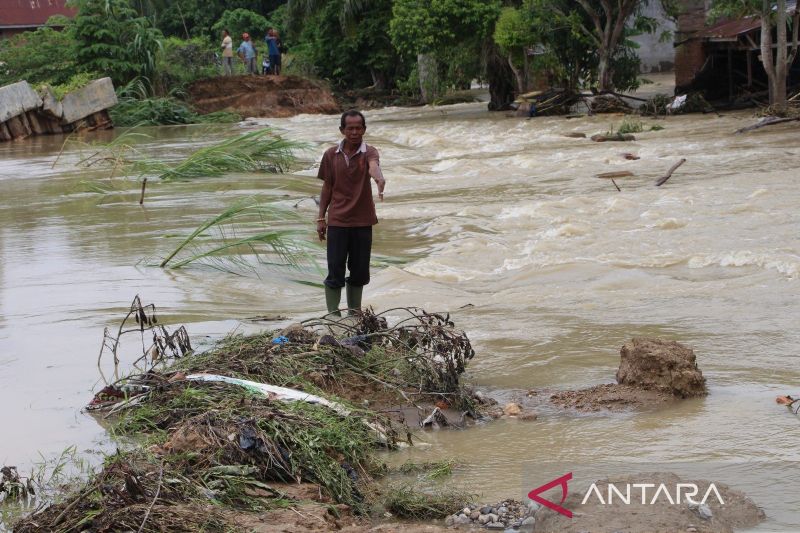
x=25, y=112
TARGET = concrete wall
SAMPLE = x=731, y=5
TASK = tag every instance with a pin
x=656, y=56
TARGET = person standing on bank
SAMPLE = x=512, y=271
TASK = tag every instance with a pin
x=346, y=197
x=247, y=53
x=227, y=53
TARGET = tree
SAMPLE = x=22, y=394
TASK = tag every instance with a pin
x=428, y=30
x=771, y=14
x=239, y=21
x=513, y=33
x=346, y=41
x=110, y=38
x=606, y=28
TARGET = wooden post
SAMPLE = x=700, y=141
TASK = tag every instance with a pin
x=730, y=75
x=141, y=198
x=749, y=68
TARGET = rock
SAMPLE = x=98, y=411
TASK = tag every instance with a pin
x=493, y=517
x=474, y=515
x=450, y=520
x=704, y=511
x=691, y=529
x=533, y=507
x=462, y=520
x=502, y=510
x=658, y=364
x=575, y=135
x=484, y=519
x=486, y=509
x=496, y=526
x=528, y=416
x=512, y=409
x=466, y=511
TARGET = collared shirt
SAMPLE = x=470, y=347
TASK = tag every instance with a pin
x=247, y=49
x=351, y=190
x=340, y=150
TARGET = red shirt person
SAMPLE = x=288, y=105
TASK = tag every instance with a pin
x=346, y=198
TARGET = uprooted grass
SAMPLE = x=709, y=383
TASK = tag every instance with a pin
x=208, y=451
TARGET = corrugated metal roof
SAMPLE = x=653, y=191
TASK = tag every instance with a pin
x=31, y=13
x=731, y=29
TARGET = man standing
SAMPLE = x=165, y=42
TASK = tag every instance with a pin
x=347, y=198
x=227, y=53
x=273, y=45
x=247, y=53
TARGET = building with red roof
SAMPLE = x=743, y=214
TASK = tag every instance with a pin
x=17, y=16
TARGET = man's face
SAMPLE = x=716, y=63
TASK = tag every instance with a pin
x=353, y=129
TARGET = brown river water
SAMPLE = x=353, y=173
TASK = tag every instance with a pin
x=501, y=213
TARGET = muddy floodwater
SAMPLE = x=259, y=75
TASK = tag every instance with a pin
x=499, y=221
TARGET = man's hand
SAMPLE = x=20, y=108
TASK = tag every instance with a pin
x=381, y=184
x=322, y=227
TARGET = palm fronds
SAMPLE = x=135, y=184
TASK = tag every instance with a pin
x=247, y=229
x=256, y=151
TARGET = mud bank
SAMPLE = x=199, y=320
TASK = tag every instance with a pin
x=652, y=374
x=262, y=96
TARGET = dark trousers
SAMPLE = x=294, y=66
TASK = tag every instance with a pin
x=349, y=247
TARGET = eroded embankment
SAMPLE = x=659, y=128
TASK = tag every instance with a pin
x=261, y=96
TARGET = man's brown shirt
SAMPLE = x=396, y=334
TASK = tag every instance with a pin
x=348, y=177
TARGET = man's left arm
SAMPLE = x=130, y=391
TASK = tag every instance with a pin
x=377, y=175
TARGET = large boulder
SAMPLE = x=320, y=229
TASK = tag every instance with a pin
x=661, y=365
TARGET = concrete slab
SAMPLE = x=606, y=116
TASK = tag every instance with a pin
x=96, y=96
x=16, y=99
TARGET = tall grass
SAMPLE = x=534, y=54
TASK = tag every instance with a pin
x=256, y=151
x=137, y=107
x=245, y=229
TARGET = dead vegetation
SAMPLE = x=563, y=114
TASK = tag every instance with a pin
x=307, y=405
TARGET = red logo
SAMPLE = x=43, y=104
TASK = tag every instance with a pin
x=562, y=481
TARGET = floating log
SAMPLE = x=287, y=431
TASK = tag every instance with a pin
x=602, y=137
x=661, y=181
x=618, y=174
x=575, y=135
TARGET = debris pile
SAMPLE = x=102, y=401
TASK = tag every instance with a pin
x=220, y=432
x=508, y=514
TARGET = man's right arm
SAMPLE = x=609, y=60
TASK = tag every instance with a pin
x=324, y=197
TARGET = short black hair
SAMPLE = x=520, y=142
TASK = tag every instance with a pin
x=352, y=113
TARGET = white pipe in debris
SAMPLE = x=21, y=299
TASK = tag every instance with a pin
x=286, y=394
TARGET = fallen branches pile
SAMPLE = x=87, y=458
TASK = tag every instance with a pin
x=223, y=427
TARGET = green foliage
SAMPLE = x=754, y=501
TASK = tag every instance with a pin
x=42, y=56
x=180, y=62
x=513, y=30
x=431, y=26
x=78, y=81
x=630, y=125
x=111, y=38
x=238, y=21
x=355, y=56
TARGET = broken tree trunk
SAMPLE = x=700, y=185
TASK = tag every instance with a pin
x=767, y=121
x=661, y=181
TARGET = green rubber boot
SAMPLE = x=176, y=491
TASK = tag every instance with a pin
x=332, y=299
x=354, y=298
